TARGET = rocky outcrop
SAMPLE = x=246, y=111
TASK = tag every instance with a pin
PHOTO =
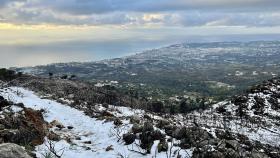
x=22, y=126
x=27, y=127
x=9, y=150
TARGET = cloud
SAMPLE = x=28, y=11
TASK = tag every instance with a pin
x=251, y=13
x=3, y=3
x=105, y=6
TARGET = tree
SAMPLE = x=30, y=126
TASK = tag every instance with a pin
x=172, y=109
x=183, y=106
x=64, y=77
x=50, y=75
x=73, y=77
x=202, y=104
x=6, y=74
x=156, y=106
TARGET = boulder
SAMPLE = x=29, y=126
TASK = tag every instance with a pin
x=9, y=150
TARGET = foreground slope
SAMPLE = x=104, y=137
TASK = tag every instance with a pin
x=245, y=126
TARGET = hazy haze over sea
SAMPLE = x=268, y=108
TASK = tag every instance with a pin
x=83, y=51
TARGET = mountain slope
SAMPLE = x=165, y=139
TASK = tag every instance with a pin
x=245, y=126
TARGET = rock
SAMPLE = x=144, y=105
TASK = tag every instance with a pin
x=78, y=138
x=70, y=127
x=136, y=128
x=109, y=148
x=20, y=105
x=87, y=142
x=9, y=150
x=53, y=136
x=129, y=138
x=57, y=124
x=117, y=122
x=148, y=126
x=28, y=127
x=107, y=114
x=135, y=119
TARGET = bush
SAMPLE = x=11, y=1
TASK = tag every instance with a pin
x=6, y=74
x=156, y=106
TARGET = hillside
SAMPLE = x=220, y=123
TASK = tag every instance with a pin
x=246, y=125
x=214, y=70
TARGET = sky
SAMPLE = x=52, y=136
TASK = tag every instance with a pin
x=35, y=32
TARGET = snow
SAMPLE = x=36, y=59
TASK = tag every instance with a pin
x=239, y=73
x=99, y=85
x=100, y=133
x=16, y=109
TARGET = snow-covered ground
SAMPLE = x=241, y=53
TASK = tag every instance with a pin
x=101, y=134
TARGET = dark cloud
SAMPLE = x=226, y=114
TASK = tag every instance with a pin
x=119, y=12
x=104, y=6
